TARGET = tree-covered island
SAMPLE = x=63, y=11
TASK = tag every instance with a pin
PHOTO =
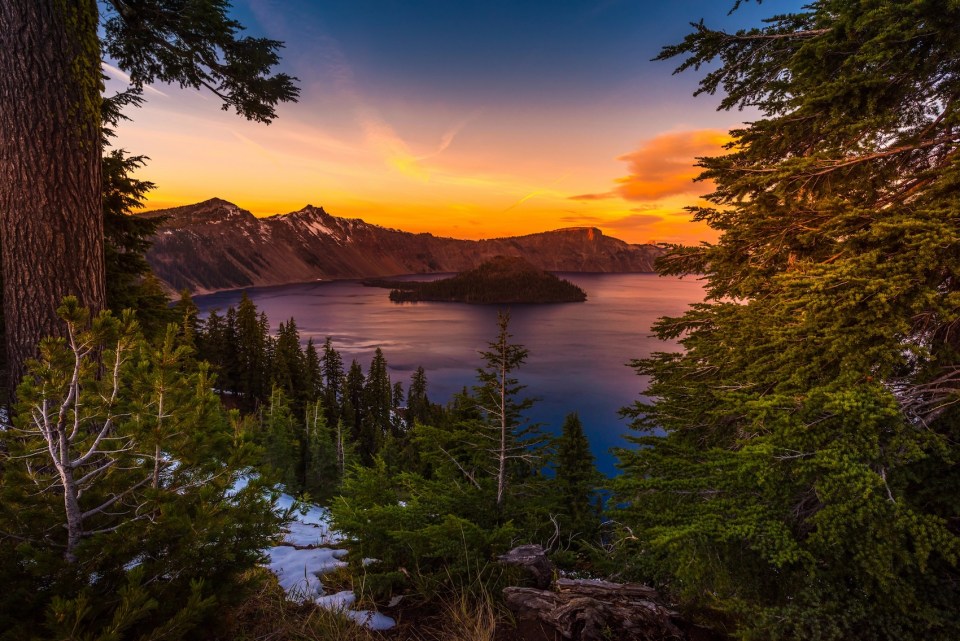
x=500, y=280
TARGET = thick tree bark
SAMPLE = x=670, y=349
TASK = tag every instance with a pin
x=51, y=221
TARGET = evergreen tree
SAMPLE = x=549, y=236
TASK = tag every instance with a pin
x=378, y=401
x=354, y=412
x=806, y=486
x=418, y=404
x=288, y=364
x=576, y=482
x=152, y=306
x=129, y=282
x=212, y=345
x=333, y=382
x=325, y=454
x=496, y=397
x=312, y=374
x=278, y=435
x=116, y=505
x=51, y=191
x=186, y=313
x=252, y=366
x=445, y=509
x=231, y=354
x=397, y=420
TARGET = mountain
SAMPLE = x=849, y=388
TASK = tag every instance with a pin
x=215, y=245
x=500, y=280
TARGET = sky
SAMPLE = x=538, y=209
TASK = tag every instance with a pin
x=463, y=118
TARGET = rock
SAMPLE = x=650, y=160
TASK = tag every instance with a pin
x=587, y=610
x=533, y=559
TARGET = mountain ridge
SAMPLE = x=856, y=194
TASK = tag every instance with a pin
x=215, y=245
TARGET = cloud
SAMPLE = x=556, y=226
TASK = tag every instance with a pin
x=582, y=220
x=603, y=196
x=665, y=166
x=123, y=77
x=631, y=221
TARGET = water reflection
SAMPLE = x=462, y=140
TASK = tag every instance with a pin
x=578, y=351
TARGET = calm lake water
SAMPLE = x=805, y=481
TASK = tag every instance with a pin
x=578, y=351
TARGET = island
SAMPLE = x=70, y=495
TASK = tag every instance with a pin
x=500, y=280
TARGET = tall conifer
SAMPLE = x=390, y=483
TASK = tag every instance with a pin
x=807, y=486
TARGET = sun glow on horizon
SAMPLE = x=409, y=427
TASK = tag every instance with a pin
x=473, y=143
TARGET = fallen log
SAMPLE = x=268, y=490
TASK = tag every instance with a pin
x=589, y=610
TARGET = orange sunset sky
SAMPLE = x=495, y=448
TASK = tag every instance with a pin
x=463, y=119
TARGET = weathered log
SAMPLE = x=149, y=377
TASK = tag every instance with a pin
x=586, y=610
x=533, y=560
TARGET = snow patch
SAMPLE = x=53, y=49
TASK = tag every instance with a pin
x=319, y=229
x=304, y=556
x=341, y=601
x=298, y=571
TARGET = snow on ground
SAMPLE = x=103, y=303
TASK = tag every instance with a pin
x=343, y=600
x=299, y=570
x=305, y=555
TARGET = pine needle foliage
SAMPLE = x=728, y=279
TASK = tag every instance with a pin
x=807, y=483
x=119, y=516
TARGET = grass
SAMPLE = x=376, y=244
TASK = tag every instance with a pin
x=267, y=615
x=470, y=614
x=469, y=617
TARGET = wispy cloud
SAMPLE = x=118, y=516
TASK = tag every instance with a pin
x=633, y=222
x=379, y=134
x=549, y=190
x=630, y=222
x=602, y=196
x=123, y=77
x=257, y=148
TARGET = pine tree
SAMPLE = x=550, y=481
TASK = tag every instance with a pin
x=333, y=382
x=378, y=399
x=288, y=365
x=186, y=313
x=577, y=480
x=312, y=374
x=806, y=486
x=252, y=367
x=212, y=345
x=231, y=354
x=278, y=435
x=397, y=420
x=496, y=396
x=328, y=455
x=117, y=482
x=354, y=412
x=418, y=404
x=52, y=241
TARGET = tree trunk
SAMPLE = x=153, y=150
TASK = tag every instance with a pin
x=51, y=220
x=71, y=504
x=502, y=389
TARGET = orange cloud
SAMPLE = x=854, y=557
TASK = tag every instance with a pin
x=629, y=222
x=665, y=166
x=633, y=221
x=602, y=196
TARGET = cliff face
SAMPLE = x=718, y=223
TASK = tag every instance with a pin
x=215, y=245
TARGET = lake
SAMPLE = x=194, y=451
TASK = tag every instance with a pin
x=578, y=351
